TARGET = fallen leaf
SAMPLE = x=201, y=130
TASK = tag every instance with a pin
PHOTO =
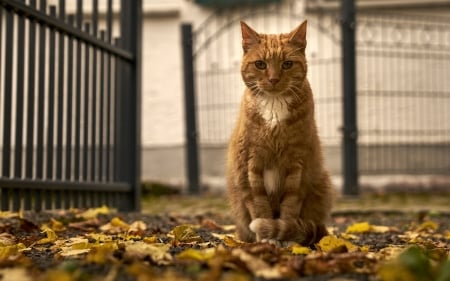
x=51, y=235
x=257, y=266
x=158, y=253
x=137, y=228
x=15, y=274
x=329, y=243
x=94, y=212
x=300, y=250
x=364, y=227
x=427, y=226
x=198, y=255
x=185, y=233
x=7, y=239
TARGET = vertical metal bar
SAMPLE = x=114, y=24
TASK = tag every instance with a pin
x=131, y=15
x=30, y=107
x=87, y=64
x=31, y=87
x=109, y=21
x=94, y=93
x=69, y=116
x=37, y=200
x=94, y=114
x=350, y=132
x=51, y=98
x=189, y=109
x=117, y=113
x=78, y=95
x=59, y=118
x=109, y=108
x=41, y=96
x=101, y=111
x=7, y=100
x=19, y=101
x=95, y=17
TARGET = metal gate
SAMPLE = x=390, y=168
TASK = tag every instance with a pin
x=69, y=96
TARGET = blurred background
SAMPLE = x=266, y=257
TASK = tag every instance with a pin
x=402, y=85
x=189, y=54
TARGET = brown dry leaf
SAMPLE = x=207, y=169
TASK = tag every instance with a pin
x=87, y=225
x=8, y=215
x=211, y=225
x=7, y=239
x=257, y=266
x=137, y=228
x=139, y=250
x=58, y=275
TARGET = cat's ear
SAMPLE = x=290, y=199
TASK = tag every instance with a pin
x=298, y=35
x=249, y=37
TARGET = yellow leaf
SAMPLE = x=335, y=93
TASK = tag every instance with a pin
x=51, y=235
x=56, y=225
x=11, y=250
x=58, y=275
x=361, y=227
x=231, y=242
x=300, y=250
x=186, y=233
x=119, y=223
x=198, y=255
x=100, y=253
x=329, y=243
x=364, y=227
x=93, y=213
x=151, y=239
x=427, y=226
x=100, y=237
x=79, y=243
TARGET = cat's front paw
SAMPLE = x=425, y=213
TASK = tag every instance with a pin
x=263, y=228
x=255, y=225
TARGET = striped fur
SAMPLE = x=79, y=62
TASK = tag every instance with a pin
x=277, y=185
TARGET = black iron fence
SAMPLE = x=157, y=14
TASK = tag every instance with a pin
x=69, y=96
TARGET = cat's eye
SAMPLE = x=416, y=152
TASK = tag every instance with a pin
x=287, y=64
x=260, y=64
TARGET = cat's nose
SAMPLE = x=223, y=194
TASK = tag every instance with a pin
x=274, y=81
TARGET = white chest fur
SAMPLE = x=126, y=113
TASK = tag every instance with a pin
x=271, y=180
x=274, y=109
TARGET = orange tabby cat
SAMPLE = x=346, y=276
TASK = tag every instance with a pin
x=278, y=187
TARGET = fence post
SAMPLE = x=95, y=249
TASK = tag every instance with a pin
x=130, y=98
x=350, y=133
x=189, y=109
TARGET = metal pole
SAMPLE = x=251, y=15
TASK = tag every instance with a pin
x=350, y=132
x=189, y=109
x=130, y=112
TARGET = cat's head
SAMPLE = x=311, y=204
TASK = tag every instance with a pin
x=273, y=64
